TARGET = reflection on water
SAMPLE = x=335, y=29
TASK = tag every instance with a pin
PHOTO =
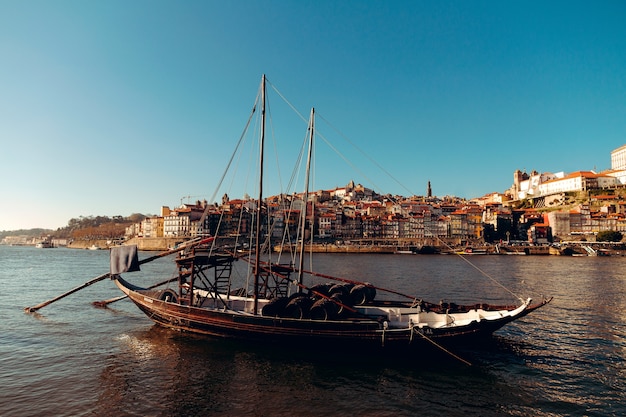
x=224, y=378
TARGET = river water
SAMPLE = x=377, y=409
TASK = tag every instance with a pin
x=73, y=359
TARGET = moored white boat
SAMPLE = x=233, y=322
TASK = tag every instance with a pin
x=44, y=244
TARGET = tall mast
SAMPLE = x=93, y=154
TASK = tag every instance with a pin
x=306, y=193
x=257, y=246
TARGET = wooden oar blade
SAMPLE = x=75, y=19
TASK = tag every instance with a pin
x=105, y=303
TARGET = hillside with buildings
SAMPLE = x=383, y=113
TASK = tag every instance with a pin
x=538, y=208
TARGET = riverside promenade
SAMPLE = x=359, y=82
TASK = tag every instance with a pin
x=560, y=249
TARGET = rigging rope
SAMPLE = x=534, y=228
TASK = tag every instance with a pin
x=219, y=184
x=347, y=161
x=365, y=155
x=485, y=274
x=441, y=347
x=482, y=272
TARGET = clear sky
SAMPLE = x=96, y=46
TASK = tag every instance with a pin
x=119, y=107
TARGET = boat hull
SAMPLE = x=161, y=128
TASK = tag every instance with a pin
x=357, y=333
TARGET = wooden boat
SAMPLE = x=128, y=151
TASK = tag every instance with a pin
x=278, y=306
x=473, y=251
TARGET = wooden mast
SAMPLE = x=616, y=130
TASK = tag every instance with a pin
x=306, y=194
x=257, y=245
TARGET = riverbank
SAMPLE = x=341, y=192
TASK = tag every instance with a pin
x=145, y=244
x=563, y=249
x=573, y=249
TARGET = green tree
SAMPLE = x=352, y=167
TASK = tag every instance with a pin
x=609, y=236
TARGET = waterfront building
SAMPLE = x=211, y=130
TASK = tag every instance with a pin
x=528, y=185
x=391, y=227
x=184, y=221
x=576, y=181
x=539, y=234
x=133, y=230
x=620, y=224
x=619, y=174
x=559, y=221
x=415, y=226
x=618, y=158
x=152, y=227
x=491, y=198
x=372, y=227
x=459, y=224
x=580, y=220
x=325, y=225
x=177, y=224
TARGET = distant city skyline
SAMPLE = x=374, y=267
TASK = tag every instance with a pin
x=107, y=107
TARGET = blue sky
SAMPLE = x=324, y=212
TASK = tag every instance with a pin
x=120, y=107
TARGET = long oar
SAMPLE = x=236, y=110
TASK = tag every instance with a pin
x=105, y=303
x=103, y=276
x=72, y=291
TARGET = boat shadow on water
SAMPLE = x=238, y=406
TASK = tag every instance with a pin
x=164, y=372
x=474, y=353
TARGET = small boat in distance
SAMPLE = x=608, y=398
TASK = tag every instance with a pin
x=278, y=306
x=474, y=251
x=44, y=244
x=404, y=252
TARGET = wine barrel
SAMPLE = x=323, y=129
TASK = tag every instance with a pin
x=324, y=309
x=298, y=308
x=343, y=289
x=359, y=295
x=274, y=307
x=320, y=288
x=371, y=291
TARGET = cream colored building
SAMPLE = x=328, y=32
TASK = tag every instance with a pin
x=529, y=185
x=577, y=181
x=618, y=158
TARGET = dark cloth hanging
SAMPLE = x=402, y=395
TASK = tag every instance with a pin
x=124, y=259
